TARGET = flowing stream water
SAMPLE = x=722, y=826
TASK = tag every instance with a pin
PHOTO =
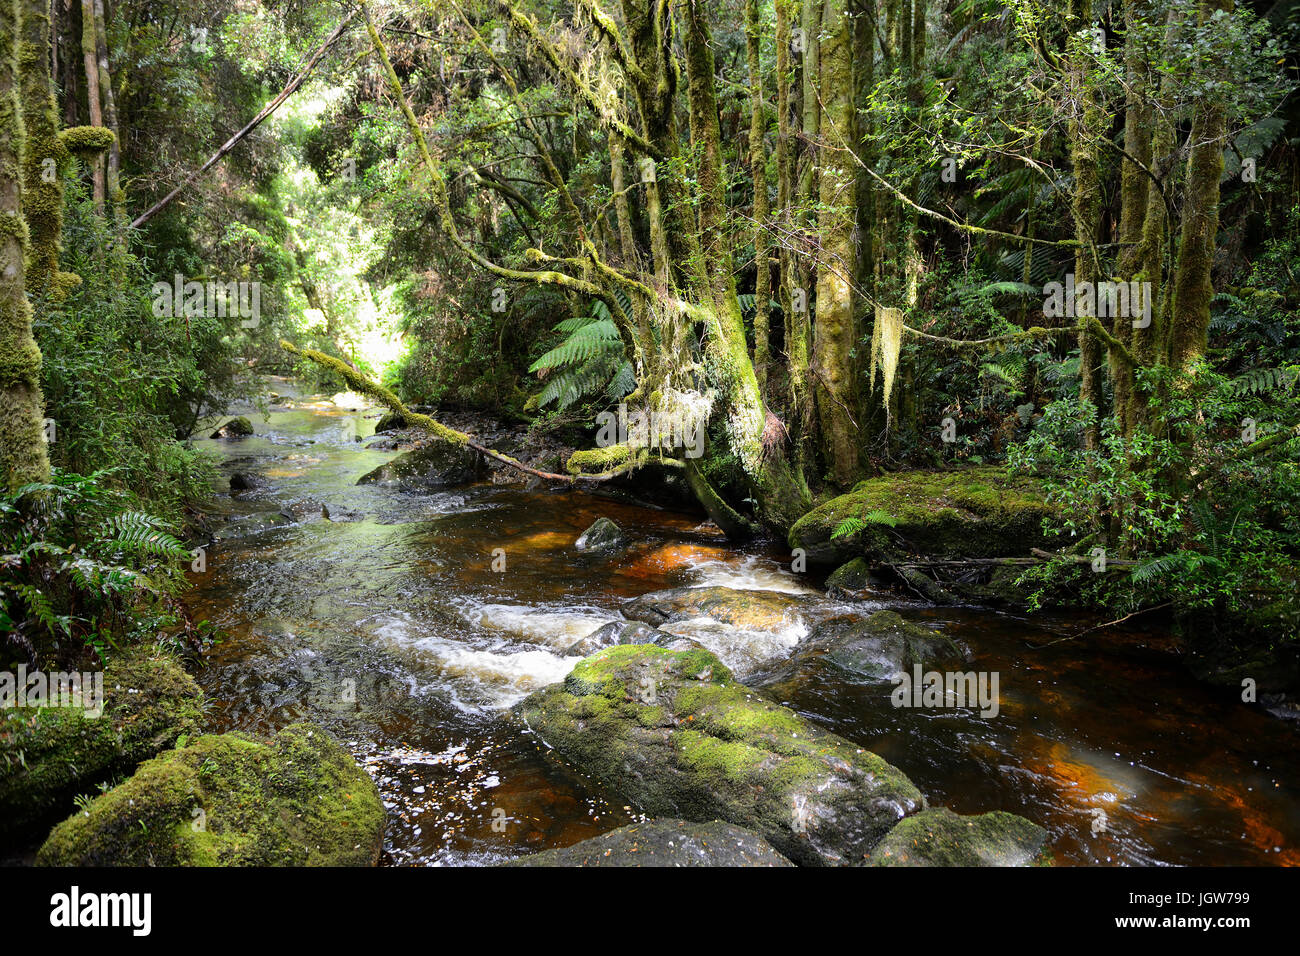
x=393, y=624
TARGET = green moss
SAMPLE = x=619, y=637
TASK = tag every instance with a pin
x=230, y=800
x=87, y=140
x=973, y=512
x=677, y=735
x=51, y=754
x=940, y=837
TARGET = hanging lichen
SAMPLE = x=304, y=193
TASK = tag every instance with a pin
x=886, y=345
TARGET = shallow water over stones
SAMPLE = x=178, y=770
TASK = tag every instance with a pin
x=408, y=624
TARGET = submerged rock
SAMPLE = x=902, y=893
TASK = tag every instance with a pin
x=603, y=533
x=237, y=427
x=431, y=467
x=678, y=736
x=665, y=842
x=228, y=800
x=972, y=512
x=51, y=754
x=881, y=646
x=751, y=610
x=939, y=837
x=243, y=481
x=613, y=633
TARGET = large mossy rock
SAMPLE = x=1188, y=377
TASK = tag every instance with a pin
x=939, y=837
x=665, y=842
x=679, y=737
x=228, y=800
x=431, y=467
x=49, y=755
x=974, y=512
x=750, y=610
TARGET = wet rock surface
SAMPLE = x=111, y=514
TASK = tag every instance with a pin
x=939, y=837
x=230, y=800
x=665, y=842
x=679, y=736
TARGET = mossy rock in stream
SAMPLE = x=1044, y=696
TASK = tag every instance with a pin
x=750, y=610
x=939, y=837
x=875, y=648
x=49, y=755
x=431, y=467
x=603, y=533
x=664, y=842
x=237, y=427
x=390, y=422
x=970, y=513
x=676, y=735
x=229, y=800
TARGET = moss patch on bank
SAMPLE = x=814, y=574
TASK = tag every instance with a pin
x=229, y=800
x=972, y=512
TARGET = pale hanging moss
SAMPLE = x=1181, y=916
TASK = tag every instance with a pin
x=886, y=344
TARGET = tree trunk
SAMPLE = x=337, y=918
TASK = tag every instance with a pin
x=22, y=439
x=758, y=171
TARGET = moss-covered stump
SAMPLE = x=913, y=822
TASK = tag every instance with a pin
x=431, y=467
x=238, y=427
x=665, y=842
x=750, y=610
x=940, y=837
x=975, y=512
x=228, y=800
x=875, y=648
x=49, y=755
x=678, y=736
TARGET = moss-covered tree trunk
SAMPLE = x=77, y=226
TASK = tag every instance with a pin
x=1189, y=324
x=22, y=439
x=758, y=171
x=835, y=333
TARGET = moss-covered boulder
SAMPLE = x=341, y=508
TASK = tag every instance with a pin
x=678, y=736
x=939, y=837
x=237, y=427
x=431, y=467
x=604, y=533
x=50, y=755
x=229, y=800
x=973, y=512
x=750, y=610
x=665, y=842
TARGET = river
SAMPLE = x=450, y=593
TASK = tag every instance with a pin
x=408, y=624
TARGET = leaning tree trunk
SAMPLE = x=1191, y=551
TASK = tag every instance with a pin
x=758, y=171
x=22, y=439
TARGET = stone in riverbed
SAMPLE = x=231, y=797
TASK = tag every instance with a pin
x=850, y=579
x=390, y=422
x=228, y=800
x=678, y=736
x=882, y=645
x=613, y=633
x=431, y=467
x=939, y=837
x=751, y=610
x=237, y=427
x=665, y=842
x=972, y=512
x=53, y=753
x=603, y=533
